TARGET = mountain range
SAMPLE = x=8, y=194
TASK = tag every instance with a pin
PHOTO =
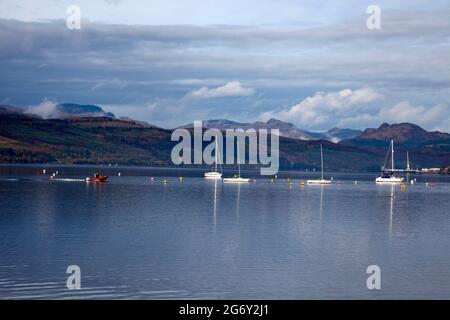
x=287, y=129
x=89, y=135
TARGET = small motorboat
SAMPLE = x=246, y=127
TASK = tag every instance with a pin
x=97, y=178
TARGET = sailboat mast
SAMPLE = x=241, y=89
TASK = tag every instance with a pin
x=392, y=144
x=215, y=163
x=321, y=159
x=238, y=160
x=407, y=161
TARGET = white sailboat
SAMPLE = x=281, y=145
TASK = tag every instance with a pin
x=237, y=178
x=321, y=180
x=214, y=174
x=388, y=176
x=408, y=167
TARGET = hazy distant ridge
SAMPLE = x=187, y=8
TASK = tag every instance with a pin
x=287, y=129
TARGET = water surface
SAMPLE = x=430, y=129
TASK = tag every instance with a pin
x=193, y=238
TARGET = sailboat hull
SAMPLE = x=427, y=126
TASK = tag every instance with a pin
x=389, y=180
x=236, y=180
x=213, y=175
x=319, y=181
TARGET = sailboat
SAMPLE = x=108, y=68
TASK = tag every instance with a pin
x=321, y=180
x=388, y=176
x=408, y=167
x=237, y=178
x=214, y=174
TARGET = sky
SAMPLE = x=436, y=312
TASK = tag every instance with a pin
x=169, y=62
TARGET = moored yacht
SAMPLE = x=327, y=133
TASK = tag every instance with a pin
x=321, y=180
x=237, y=178
x=214, y=174
x=388, y=176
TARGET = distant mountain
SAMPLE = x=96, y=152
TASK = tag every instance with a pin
x=142, y=123
x=408, y=137
x=26, y=138
x=404, y=134
x=5, y=109
x=81, y=110
x=337, y=134
x=287, y=129
x=97, y=140
x=70, y=111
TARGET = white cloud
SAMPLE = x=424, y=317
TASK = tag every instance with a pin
x=231, y=89
x=432, y=118
x=166, y=62
x=113, y=2
x=323, y=109
x=360, y=109
x=114, y=83
x=46, y=109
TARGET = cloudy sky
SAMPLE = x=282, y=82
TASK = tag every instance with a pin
x=171, y=62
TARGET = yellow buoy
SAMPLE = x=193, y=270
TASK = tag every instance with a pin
x=302, y=183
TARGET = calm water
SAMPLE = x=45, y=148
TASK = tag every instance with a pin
x=198, y=239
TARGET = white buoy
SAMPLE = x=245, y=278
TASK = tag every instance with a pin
x=119, y=174
x=412, y=181
x=43, y=171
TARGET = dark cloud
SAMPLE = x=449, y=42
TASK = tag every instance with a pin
x=146, y=70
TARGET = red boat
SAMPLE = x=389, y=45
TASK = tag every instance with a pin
x=97, y=178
